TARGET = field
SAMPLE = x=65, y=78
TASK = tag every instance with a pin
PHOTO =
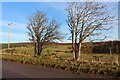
x=5, y=45
x=59, y=56
x=60, y=50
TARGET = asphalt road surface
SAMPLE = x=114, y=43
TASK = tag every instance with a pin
x=18, y=70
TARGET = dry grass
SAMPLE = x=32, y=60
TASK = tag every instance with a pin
x=65, y=54
x=98, y=68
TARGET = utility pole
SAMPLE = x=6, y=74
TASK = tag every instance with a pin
x=9, y=24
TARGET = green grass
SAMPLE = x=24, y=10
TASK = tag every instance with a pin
x=47, y=49
x=60, y=57
x=55, y=50
x=97, y=68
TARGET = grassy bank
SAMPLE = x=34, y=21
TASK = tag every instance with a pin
x=98, y=68
x=85, y=66
x=60, y=57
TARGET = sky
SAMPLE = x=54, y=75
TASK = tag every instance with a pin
x=18, y=13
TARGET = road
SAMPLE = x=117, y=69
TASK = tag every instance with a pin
x=18, y=70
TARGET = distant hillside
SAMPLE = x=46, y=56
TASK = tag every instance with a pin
x=102, y=47
x=95, y=47
x=5, y=45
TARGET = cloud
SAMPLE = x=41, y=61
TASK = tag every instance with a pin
x=16, y=25
x=111, y=38
x=13, y=35
x=54, y=5
x=18, y=32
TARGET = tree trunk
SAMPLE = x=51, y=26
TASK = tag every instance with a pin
x=35, y=54
x=73, y=40
x=73, y=49
x=79, y=51
x=38, y=48
x=75, y=46
x=73, y=53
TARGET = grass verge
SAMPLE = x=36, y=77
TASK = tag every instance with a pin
x=95, y=67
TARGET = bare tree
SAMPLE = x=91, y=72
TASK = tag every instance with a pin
x=41, y=31
x=72, y=22
x=88, y=20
